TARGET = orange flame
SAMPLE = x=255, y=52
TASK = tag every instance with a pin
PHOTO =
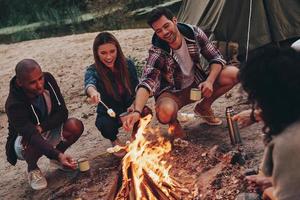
x=147, y=156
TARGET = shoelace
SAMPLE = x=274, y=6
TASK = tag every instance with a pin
x=36, y=175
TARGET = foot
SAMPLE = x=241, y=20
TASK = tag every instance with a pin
x=121, y=153
x=208, y=116
x=36, y=179
x=176, y=130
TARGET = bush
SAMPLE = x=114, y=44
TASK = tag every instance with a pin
x=21, y=12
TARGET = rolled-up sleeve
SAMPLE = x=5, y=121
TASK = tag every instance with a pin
x=207, y=49
x=151, y=73
x=90, y=79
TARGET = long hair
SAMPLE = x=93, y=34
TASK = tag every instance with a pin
x=271, y=79
x=120, y=64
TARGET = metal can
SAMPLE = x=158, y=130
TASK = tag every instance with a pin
x=233, y=128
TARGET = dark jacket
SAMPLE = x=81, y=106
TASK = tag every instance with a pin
x=91, y=78
x=23, y=118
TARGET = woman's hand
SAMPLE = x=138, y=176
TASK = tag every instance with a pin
x=244, y=118
x=259, y=181
x=93, y=96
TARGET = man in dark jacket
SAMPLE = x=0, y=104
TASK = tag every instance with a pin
x=38, y=121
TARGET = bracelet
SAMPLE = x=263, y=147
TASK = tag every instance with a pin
x=137, y=111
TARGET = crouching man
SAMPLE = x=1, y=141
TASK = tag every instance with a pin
x=38, y=122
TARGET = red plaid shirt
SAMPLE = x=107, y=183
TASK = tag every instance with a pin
x=162, y=71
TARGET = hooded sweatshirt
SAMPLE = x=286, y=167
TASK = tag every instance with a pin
x=23, y=118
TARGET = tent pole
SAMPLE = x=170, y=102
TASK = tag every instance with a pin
x=248, y=31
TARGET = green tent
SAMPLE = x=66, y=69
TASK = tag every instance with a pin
x=250, y=23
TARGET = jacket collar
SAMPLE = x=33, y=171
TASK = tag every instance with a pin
x=185, y=29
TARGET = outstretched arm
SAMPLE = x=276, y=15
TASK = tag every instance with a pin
x=141, y=99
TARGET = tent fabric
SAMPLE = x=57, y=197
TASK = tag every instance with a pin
x=271, y=20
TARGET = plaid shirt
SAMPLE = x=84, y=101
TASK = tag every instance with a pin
x=162, y=71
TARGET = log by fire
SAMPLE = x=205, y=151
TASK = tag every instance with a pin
x=144, y=174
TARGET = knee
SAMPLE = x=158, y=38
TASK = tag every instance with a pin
x=107, y=126
x=166, y=111
x=73, y=127
x=229, y=76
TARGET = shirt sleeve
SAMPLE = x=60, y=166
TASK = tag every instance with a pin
x=133, y=73
x=90, y=79
x=286, y=160
x=207, y=49
x=151, y=75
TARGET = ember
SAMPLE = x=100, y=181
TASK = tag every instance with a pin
x=144, y=174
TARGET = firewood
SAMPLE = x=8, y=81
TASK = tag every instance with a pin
x=157, y=192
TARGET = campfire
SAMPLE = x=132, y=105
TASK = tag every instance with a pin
x=144, y=173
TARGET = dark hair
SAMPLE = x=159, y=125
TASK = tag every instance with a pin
x=120, y=63
x=157, y=13
x=24, y=67
x=271, y=79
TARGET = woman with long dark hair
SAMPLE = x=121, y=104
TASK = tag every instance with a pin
x=272, y=80
x=112, y=80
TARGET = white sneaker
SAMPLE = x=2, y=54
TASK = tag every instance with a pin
x=36, y=179
x=121, y=153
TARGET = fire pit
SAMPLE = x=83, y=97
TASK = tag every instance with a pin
x=144, y=174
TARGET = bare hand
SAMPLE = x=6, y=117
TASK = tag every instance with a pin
x=94, y=98
x=206, y=88
x=130, y=108
x=260, y=181
x=243, y=118
x=129, y=120
x=67, y=161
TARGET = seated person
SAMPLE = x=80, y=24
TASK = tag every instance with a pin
x=173, y=68
x=110, y=83
x=38, y=121
x=269, y=73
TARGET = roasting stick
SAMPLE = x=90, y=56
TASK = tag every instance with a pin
x=109, y=111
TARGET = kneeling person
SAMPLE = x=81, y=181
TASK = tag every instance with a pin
x=38, y=121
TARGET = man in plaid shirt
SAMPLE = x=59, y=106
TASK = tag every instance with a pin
x=173, y=68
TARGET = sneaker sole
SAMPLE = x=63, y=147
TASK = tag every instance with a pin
x=207, y=122
x=39, y=188
x=212, y=124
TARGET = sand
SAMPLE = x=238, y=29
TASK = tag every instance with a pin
x=67, y=58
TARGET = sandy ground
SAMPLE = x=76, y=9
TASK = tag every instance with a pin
x=66, y=58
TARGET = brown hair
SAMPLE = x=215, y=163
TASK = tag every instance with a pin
x=157, y=13
x=120, y=63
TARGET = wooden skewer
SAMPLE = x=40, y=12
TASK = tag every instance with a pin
x=104, y=104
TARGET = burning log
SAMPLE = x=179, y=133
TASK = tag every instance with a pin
x=144, y=175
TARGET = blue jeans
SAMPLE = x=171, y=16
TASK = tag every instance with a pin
x=53, y=137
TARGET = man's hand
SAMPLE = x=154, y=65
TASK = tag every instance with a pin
x=206, y=88
x=67, y=161
x=129, y=120
x=130, y=108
